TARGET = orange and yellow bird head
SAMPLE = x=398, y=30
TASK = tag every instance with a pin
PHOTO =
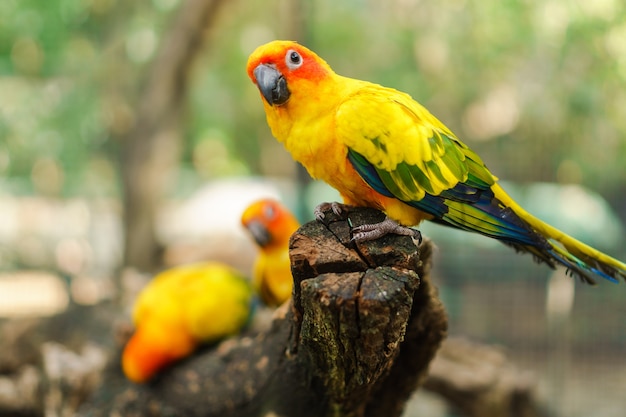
x=279, y=70
x=300, y=93
x=271, y=225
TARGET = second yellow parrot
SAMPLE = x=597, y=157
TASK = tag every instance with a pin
x=380, y=148
x=180, y=309
x=271, y=225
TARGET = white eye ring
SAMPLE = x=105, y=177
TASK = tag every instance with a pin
x=293, y=59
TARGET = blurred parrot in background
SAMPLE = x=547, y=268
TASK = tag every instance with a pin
x=380, y=148
x=181, y=308
x=271, y=225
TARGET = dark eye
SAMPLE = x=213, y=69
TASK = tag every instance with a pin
x=269, y=212
x=293, y=59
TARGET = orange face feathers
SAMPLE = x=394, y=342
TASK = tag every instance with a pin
x=276, y=65
x=280, y=54
x=269, y=223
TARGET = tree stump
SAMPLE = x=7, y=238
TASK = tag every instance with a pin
x=356, y=339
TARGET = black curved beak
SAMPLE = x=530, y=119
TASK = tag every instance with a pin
x=259, y=232
x=272, y=84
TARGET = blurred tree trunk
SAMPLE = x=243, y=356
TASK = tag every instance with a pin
x=152, y=148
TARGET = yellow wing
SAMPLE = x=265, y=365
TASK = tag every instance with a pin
x=210, y=300
x=411, y=151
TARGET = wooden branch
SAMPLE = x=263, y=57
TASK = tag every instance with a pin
x=356, y=340
x=481, y=382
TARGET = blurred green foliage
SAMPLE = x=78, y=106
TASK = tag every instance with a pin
x=538, y=88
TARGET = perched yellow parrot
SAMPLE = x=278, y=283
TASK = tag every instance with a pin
x=380, y=148
x=180, y=309
x=271, y=225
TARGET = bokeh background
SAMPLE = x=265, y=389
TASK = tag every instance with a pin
x=128, y=144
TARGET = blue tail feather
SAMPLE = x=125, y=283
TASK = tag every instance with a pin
x=472, y=206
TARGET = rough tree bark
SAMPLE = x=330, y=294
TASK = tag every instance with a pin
x=356, y=340
x=152, y=148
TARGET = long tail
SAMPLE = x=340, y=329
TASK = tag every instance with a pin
x=580, y=259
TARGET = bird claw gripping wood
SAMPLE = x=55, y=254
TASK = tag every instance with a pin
x=319, y=210
x=374, y=231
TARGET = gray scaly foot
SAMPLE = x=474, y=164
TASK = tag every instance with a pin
x=374, y=231
x=322, y=207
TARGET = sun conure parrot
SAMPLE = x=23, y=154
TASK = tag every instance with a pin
x=181, y=308
x=380, y=148
x=271, y=225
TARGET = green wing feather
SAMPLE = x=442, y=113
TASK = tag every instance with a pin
x=411, y=150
